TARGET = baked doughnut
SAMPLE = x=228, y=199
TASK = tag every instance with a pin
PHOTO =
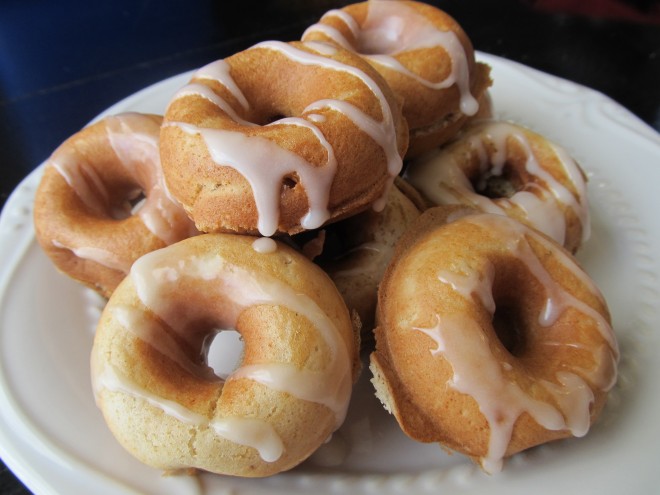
x=502, y=167
x=423, y=54
x=490, y=338
x=282, y=137
x=367, y=244
x=291, y=390
x=87, y=213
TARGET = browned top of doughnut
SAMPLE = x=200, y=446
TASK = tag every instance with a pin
x=421, y=294
x=274, y=87
x=153, y=383
x=499, y=166
x=377, y=29
x=82, y=210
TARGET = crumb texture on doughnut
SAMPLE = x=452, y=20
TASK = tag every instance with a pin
x=505, y=168
x=289, y=392
x=424, y=55
x=102, y=201
x=490, y=338
x=367, y=244
x=282, y=137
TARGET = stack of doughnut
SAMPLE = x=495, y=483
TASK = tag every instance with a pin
x=346, y=190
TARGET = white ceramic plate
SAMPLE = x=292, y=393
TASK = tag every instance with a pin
x=53, y=436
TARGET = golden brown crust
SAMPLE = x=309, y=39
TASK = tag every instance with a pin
x=220, y=198
x=65, y=222
x=433, y=115
x=272, y=333
x=449, y=125
x=536, y=182
x=368, y=241
x=415, y=384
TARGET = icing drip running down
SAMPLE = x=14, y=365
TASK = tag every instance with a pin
x=479, y=374
x=264, y=245
x=219, y=72
x=245, y=153
x=392, y=28
x=250, y=432
x=161, y=213
x=443, y=180
x=101, y=256
x=382, y=132
x=157, y=276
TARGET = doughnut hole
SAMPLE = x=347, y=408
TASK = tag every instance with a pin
x=518, y=297
x=128, y=203
x=494, y=185
x=496, y=172
x=509, y=328
x=223, y=352
x=274, y=118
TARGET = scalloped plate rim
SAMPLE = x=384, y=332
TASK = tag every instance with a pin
x=20, y=457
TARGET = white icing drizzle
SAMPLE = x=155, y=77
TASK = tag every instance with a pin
x=152, y=332
x=476, y=371
x=573, y=171
x=113, y=380
x=384, y=135
x=323, y=48
x=103, y=257
x=380, y=203
x=573, y=394
x=316, y=117
x=134, y=141
x=220, y=71
x=473, y=284
x=203, y=91
x=139, y=153
x=330, y=32
x=84, y=180
x=303, y=384
x=392, y=28
x=264, y=245
x=156, y=277
x=333, y=33
x=558, y=300
x=477, y=374
x=247, y=154
x=441, y=178
x=251, y=432
x=383, y=132
x=317, y=216
x=346, y=18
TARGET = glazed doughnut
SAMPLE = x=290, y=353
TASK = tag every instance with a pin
x=501, y=167
x=490, y=338
x=282, y=137
x=291, y=389
x=367, y=244
x=85, y=215
x=423, y=54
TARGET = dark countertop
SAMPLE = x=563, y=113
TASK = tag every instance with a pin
x=63, y=63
